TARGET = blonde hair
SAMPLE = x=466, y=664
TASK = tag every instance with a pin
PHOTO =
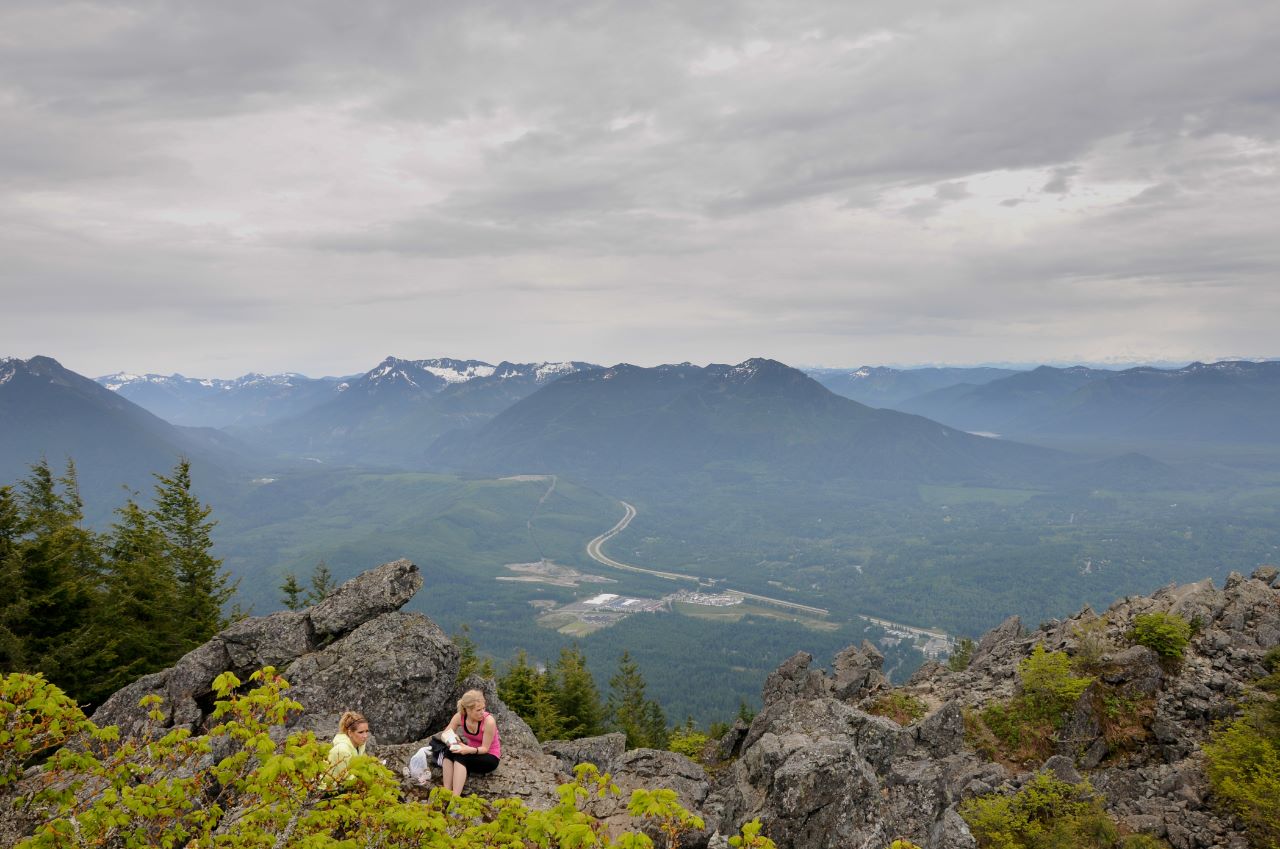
x=350, y=719
x=470, y=698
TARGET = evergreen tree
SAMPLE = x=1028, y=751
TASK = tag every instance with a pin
x=203, y=586
x=469, y=662
x=640, y=719
x=531, y=695
x=577, y=699
x=58, y=572
x=655, y=726
x=292, y=592
x=136, y=622
x=545, y=721
x=13, y=600
x=322, y=583
x=518, y=687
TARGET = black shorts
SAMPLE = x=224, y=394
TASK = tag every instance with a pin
x=475, y=764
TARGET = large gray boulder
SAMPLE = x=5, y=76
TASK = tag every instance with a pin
x=794, y=679
x=602, y=752
x=350, y=651
x=819, y=772
x=398, y=670
x=364, y=597
x=857, y=672
x=649, y=769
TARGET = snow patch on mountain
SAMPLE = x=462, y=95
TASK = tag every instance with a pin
x=454, y=375
x=550, y=371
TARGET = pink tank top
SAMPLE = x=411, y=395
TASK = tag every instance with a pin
x=475, y=740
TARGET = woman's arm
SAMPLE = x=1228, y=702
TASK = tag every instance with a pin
x=453, y=723
x=490, y=729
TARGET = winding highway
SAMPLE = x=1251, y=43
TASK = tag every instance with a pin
x=595, y=551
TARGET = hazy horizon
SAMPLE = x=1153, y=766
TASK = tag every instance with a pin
x=1110, y=365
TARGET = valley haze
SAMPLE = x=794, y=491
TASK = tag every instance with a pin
x=808, y=510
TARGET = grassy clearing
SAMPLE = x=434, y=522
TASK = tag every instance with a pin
x=738, y=611
x=973, y=495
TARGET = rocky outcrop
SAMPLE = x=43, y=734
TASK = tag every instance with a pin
x=352, y=651
x=820, y=772
x=856, y=672
x=813, y=765
x=601, y=752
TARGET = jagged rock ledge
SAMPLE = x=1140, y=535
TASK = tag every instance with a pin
x=355, y=650
x=813, y=765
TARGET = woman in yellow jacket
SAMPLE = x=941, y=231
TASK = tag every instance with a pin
x=353, y=732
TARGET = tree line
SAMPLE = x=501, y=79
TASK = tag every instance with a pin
x=94, y=611
x=562, y=701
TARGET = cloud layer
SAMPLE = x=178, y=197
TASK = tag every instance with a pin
x=219, y=187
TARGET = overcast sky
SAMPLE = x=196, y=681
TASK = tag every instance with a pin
x=219, y=187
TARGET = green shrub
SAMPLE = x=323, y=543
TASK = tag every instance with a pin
x=962, y=656
x=266, y=792
x=1166, y=634
x=1047, y=813
x=1092, y=643
x=902, y=708
x=35, y=719
x=688, y=741
x=1025, y=726
x=1271, y=660
x=751, y=838
x=1142, y=841
x=1242, y=760
x=1048, y=686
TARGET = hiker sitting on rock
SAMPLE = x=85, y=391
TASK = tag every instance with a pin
x=478, y=750
x=353, y=731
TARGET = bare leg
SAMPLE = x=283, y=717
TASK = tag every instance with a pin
x=447, y=768
x=459, y=779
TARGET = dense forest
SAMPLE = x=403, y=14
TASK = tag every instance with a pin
x=93, y=610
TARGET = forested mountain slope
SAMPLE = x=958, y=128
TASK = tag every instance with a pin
x=47, y=411
x=1217, y=403
x=759, y=415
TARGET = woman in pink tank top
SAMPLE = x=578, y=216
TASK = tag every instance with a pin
x=479, y=747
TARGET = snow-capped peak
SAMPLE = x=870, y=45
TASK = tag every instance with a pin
x=550, y=371
x=453, y=374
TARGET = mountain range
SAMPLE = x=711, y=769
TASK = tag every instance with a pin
x=881, y=386
x=1233, y=401
x=758, y=417
x=212, y=402
x=49, y=412
x=752, y=472
x=391, y=414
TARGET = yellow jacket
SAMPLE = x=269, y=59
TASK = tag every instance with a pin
x=341, y=754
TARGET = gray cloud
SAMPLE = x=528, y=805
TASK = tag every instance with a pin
x=849, y=182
